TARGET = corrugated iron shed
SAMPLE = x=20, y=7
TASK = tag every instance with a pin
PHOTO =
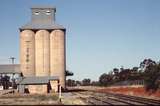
x=36, y=80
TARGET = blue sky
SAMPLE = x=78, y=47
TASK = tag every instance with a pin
x=101, y=34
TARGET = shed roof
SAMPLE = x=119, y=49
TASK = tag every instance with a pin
x=9, y=68
x=36, y=80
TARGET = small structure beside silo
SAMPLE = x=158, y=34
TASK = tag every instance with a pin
x=38, y=85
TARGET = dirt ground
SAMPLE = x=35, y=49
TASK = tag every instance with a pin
x=71, y=99
x=136, y=91
x=37, y=99
x=28, y=99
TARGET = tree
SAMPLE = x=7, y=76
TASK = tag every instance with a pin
x=86, y=82
x=70, y=82
x=78, y=83
x=68, y=73
x=94, y=83
x=135, y=69
x=116, y=75
x=105, y=79
x=116, y=71
x=151, y=77
x=124, y=74
x=135, y=74
x=145, y=63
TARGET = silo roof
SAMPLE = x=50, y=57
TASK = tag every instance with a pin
x=42, y=20
x=41, y=26
x=43, y=6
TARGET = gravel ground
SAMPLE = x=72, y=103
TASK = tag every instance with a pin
x=71, y=99
x=48, y=99
x=17, y=99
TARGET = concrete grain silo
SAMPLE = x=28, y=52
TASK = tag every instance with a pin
x=57, y=54
x=48, y=45
x=27, y=53
x=42, y=53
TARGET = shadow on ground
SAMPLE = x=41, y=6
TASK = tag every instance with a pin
x=74, y=90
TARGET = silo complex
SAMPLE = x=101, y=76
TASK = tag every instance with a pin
x=27, y=52
x=45, y=41
x=57, y=51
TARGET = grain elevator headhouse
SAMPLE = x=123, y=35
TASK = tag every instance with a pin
x=42, y=45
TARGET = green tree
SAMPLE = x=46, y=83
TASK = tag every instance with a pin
x=86, y=82
x=70, y=82
x=151, y=77
x=105, y=79
x=116, y=71
x=145, y=63
x=78, y=83
x=94, y=83
x=68, y=73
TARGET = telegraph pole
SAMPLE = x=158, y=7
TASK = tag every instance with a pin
x=12, y=59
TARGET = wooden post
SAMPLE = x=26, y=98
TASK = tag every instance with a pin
x=60, y=93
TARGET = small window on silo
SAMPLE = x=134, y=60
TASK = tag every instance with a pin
x=36, y=13
x=48, y=12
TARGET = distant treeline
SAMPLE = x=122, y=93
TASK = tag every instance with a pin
x=147, y=74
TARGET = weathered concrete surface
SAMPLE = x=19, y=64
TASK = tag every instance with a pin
x=57, y=55
x=42, y=53
x=54, y=86
x=27, y=53
x=37, y=89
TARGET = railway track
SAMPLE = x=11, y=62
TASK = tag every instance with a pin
x=96, y=98
x=136, y=99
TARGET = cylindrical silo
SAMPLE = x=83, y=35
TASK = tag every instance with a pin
x=57, y=55
x=42, y=53
x=27, y=53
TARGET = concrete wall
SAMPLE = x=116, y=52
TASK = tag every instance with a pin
x=38, y=89
x=54, y=85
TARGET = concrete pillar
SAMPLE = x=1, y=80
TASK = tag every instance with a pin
x=57, y=55
x=42, y=53
x=27, y=53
